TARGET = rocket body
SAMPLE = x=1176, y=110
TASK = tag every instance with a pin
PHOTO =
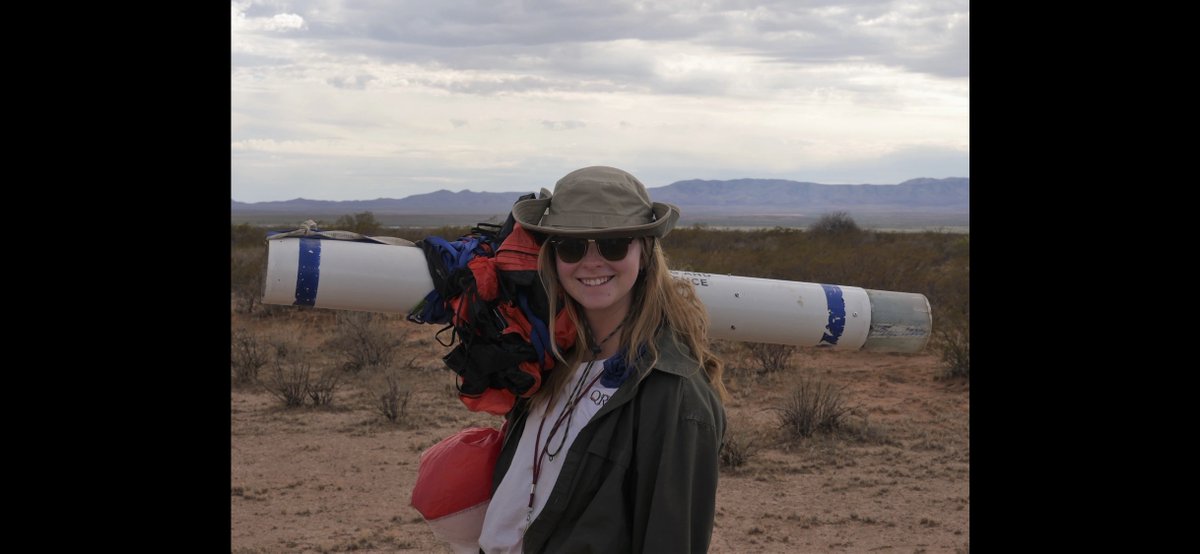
x=361, y=276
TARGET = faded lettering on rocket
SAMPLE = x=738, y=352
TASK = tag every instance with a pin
x=698, y=279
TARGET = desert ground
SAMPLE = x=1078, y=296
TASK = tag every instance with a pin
x=338, y=477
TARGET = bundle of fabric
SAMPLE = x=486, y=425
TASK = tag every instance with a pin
x=488, y=294
x=454, y=485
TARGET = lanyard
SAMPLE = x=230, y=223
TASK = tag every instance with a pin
x=564, y=415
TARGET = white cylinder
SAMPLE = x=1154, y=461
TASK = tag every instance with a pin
x=782, y=312
x=360, y=276
x=345, y=275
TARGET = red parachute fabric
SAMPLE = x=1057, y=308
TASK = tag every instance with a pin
x=454, y=484
x=485, y=277
x=492, y=401
x=518, y=252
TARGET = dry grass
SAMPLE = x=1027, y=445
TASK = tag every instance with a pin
x=330, y=480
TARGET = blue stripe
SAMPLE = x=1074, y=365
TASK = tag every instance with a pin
x=837, y=315
x=309, y=272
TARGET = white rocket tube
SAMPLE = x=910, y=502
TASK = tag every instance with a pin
x=346, y=275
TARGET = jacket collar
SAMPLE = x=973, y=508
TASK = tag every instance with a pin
x=673, y=357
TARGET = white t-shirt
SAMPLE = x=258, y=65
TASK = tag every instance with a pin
x=508, y=514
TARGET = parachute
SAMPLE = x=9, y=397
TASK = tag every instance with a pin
x=488, y=294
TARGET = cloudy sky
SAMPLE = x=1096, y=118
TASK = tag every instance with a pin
x=356, y=100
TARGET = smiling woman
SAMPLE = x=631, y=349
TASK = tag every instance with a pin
x=617, y=452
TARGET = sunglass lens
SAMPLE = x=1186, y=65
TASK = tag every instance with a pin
x=570, y=250
x=573, y=250
x=614, y=250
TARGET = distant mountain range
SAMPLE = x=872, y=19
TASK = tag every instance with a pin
x=736, y=196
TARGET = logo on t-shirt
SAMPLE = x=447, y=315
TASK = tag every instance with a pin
x=598, y=397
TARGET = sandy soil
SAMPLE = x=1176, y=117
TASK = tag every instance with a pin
x=338, y=478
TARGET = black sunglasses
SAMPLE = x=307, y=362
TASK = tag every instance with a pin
x=571, y=250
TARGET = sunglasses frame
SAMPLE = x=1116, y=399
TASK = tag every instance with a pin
x=604, y=246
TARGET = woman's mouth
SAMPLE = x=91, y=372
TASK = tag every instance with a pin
x=595, y=281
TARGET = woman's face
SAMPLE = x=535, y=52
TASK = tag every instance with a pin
x=601, y=286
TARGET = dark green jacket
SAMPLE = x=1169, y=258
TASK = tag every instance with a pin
x=642, y=474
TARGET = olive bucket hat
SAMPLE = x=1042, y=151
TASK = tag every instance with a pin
x=597, y=202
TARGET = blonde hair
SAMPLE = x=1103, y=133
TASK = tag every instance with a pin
x=660, y=302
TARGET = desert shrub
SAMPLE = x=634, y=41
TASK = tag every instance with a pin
x=952, y=317
x=860, y=430
x=740, y=445
x=363, y=223
x=770, y=358
x=393, y=399
x=814, y=407
x=446, y=232
x=288, y=381
x=733, y=355
x=245, y=235
x=953, y=343
x=362, y=341
x=320, y=391
x=247, y=265
x=835, y=223
x=247, y=274
x=285, y=348
x=247, y=355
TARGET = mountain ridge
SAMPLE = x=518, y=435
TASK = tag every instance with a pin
x=743, y=196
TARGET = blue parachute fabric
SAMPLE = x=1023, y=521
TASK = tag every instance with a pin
x=539, y=334
x=446, y=259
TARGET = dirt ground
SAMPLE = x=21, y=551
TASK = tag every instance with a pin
x=339, y=477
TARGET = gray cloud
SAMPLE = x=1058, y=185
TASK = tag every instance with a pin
x=466, y=34
x=673, y=91
x=563, y=125
x=357, y=82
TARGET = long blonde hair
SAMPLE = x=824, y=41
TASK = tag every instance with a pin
x=659, y=301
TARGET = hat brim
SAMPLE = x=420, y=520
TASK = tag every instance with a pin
x=529, y=214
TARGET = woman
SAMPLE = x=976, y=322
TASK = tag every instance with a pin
x=618, y=450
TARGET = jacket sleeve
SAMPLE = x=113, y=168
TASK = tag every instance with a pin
x=680, y=429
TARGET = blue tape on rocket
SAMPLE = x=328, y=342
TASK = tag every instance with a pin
x=837, y=315
x=309, y=272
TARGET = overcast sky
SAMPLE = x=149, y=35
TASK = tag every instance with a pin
x=356, y=100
